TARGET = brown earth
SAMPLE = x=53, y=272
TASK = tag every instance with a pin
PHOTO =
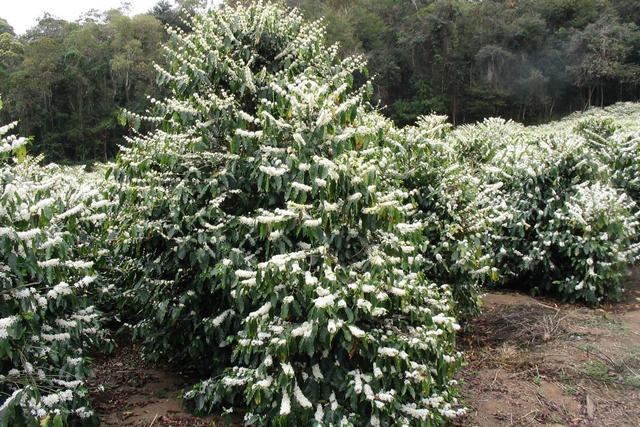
x=533, y=362
x=530, y=362
x=130, y=392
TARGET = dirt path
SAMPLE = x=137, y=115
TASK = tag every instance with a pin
x=535, y=362
x=134, y=393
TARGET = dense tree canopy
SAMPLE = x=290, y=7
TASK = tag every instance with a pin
x=529, y=60
x=5, y=28
x=67, y=80
x=521, y=59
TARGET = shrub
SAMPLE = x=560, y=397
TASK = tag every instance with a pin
x=539, y=186
x=444, y=192
x=263, y=243
x=613, y=136
x=600, y=127
x=477, y=144
x=50, y=227
x=593, y=238
x=617, y=146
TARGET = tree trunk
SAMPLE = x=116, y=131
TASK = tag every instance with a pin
x=553, y=103
x=590, y=90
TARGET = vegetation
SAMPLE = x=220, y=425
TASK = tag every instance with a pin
x=291, y=254
x=528, y=60
x=270, y=229
x=68, y=81
x=52, y=227
x=560, y=223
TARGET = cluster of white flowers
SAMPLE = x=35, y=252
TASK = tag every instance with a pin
x=10, y=143
x=5, y=324
x=48, y=225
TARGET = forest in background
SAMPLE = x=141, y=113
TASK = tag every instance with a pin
x=528, y=60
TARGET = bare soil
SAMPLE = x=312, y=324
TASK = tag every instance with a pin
x=530, y=362
x=130, y=392
x=533, y=362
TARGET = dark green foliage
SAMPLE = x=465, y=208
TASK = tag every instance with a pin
x=529, y=60
x=67, y=81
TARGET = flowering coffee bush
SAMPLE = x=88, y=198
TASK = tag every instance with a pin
x=558, y=224
x=614, y=136
x=50, y=228
x=477, y=144
x=593, y=235
x=263, y=244
x=444, y=192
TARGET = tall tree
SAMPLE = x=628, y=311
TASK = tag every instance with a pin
x=599, y=55
x=5, y=27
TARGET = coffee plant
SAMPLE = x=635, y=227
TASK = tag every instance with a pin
x=51, y=234
x=266, y=247
x=559, y=224
x=617, y=145
x=444, y=192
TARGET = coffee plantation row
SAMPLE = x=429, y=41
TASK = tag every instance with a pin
x=276, y=234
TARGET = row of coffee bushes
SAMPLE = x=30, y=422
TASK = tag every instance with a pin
x=550, y=208
x=562, y=200
x=51, y=228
